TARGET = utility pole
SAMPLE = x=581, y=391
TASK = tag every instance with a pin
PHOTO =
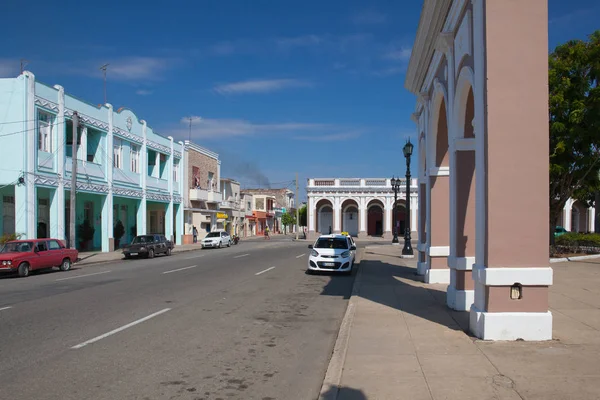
x=297, y=211
x=72, y=214
x=190, y=136
x=103, y=68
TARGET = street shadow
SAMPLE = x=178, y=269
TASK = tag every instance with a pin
x=398, y=286
x=343, y=393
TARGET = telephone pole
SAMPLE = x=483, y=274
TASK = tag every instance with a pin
x=72, y=214
x=190, y=137
x=24, y=62
x=103, y=68
x=297, y=211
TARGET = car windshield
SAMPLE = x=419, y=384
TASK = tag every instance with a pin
x=331, y=243
x=17, y=247
x=143, y=239
x=213, y=235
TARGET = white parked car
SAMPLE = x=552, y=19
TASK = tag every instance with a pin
x=216, y=239
x=332, y=253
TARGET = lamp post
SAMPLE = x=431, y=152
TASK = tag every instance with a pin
x=407, y=250
x=395, y=187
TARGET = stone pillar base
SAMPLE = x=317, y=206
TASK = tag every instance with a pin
x=422, y=267
x=459, y=300
x=388, y=236
x=362, y=235
x=532, y=326
x=111, y=244
x=437, y=276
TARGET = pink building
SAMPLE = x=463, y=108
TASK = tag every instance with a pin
x=480, y=72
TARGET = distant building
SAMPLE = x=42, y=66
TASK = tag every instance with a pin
x=283, y=201
x=360, y=206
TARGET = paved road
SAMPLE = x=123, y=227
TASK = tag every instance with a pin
x=243, y=322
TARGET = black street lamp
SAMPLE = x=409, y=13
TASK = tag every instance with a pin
x=407, y=250
x=396, y=188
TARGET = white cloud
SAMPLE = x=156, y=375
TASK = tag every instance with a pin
x=143, y=92
x=137, y=68
x=259, y=86
x=219, y=128
x=402, y=54
x=369, y=18
x=333, y=137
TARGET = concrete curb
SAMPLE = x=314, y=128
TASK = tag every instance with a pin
x=333, y=376
x=576, y=258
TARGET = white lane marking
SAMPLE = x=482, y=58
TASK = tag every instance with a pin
x=80, y=345
x=301, y=255
x=262, y=272
x=179, y=269
x=241, y=255
x=198, y=256
x=82, y=276
x=5, y=308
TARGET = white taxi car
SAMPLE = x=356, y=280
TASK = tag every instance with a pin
x=332, y=253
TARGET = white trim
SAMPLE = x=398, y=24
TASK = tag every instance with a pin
x=437, y=275
x=422, y=268
x=510, y=276
x=439, y=171
x=532, y=326
x=479, y=129
x=439, y=251
x=459, y=300
x=464, y=263
x=462, y=144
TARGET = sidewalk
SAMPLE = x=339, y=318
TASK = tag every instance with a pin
x=398, y=341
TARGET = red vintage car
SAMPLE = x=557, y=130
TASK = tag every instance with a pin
x=25, y=256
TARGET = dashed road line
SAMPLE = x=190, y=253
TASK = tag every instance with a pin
x=179, y=269
x=241, y=255
x=197, y=256
x=301, y=255
x=82, y=276
x=266, y=270
x=97, y=338
x=5, y=308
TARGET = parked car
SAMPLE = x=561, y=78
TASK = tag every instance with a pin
x=216, y=239
x=24, y=256
x=559, y=230
x=332, y=253
x=148, y=246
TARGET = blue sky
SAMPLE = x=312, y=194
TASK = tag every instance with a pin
x=315, y=87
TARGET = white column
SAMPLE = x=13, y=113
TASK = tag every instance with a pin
x=218, y=177
x=82, y=149
x=567, y=215
x=363, y=215
x=591, y=219
x=141, y=217
x=170, y=210
x=60, y=161
x=413, y=213
x=31, y=144
x=388, y=214
x=429, y=160
x=337, y=212
x=311, y=214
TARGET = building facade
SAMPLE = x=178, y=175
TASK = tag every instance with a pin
x=231, y=206
x=202, y=196
x=128, y=178
x=576, y=216
x=362, y=207
x=283, y=202
x=478, y=105
x=247, y=208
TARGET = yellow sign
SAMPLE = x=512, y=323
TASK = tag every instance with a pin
x=222, y=216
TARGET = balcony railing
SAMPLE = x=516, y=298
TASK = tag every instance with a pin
x=357, y=183
x=157, y=183
x=215, y=197
x=198, y=194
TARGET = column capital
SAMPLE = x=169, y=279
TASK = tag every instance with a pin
x=445, y=43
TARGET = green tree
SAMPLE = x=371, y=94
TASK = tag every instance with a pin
x=574, y=68
x=287, y=219
x=302, y=216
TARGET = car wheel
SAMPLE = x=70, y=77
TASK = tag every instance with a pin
x=229, y=243
x=66, y=265
x=219, y=246
x=23, y=270
x=168, y=252
x=127, y=256
x=150, y=253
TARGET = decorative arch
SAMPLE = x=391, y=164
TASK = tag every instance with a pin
x=438, y=149
x=324, y=215
x=375, y=217
x=463, y=100
x=350, y=216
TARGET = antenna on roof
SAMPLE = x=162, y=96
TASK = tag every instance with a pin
x=24, y=62
x=103, y=68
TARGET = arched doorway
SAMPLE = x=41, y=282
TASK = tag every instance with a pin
x=375, y=218
x=350, y=217
x=324, y=217
x=579, y=217
x=400, y=212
